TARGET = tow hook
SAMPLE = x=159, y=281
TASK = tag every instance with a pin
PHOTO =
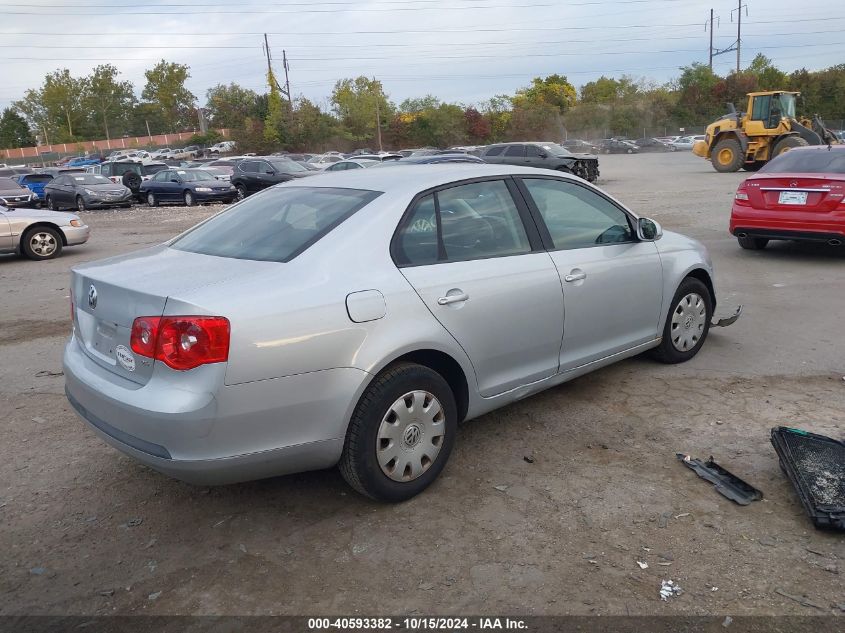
x=727, y=321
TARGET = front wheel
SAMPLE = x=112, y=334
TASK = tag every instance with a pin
x=687, y=323
x=41, y=242
x=151, y=199
x=401, y=433
x=189, y=199
x=80, y=204
x=48, y=201
x=241, y=191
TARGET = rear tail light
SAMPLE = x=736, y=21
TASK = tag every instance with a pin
x=741, y=195
x=181, y=342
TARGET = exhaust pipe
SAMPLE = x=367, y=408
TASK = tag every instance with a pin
x=835, y=242
x=742, y=235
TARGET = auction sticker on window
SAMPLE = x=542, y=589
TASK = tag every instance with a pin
x=125, y=357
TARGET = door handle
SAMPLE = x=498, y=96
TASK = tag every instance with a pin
x=575, y=275
x=457, y=298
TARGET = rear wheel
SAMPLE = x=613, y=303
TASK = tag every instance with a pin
x=727, y=155
x=752, y=243
x=788, y=143
x=241, y=191
x=80, y=204
x=687, y=323
x=41, y=242
x=50, y=204
x=401, y=433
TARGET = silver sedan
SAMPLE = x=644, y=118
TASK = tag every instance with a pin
x=355, y=318
x=39, y=234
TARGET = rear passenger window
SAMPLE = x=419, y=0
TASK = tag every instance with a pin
x=417, y=239
x=477, y=220
x=515, y=150
x=532, y=151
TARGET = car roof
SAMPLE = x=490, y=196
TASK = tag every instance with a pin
x=415, y=178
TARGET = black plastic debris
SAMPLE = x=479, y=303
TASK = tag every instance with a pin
x=815, y=465
x=727, y=321
x=727, y=484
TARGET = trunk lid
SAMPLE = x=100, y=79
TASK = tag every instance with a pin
x=110, y=294
x=810, y=193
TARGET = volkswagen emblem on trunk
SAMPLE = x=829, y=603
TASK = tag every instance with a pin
x=92, y=297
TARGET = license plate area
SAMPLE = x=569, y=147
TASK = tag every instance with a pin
x=792, y=197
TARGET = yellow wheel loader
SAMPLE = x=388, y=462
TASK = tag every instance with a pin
x=768, y=127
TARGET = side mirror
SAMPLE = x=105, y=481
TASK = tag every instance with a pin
x=270, y=172
x=543, y=155
x=648, y=230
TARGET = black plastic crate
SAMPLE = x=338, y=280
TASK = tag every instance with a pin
x=815, y=465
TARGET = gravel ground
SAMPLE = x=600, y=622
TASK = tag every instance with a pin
x=85, y=530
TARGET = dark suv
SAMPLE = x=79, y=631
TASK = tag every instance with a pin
x=544, y=155
x=259, y=172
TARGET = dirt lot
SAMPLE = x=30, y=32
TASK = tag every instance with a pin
x=85, y=530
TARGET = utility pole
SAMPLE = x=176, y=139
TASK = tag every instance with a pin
x=710, y=23
x=739, y=8
x=287, y=79
x=378, y=115
x=267, y=53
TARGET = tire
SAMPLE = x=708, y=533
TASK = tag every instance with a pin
x=630, y=151
x=80, y=204
x=131, y=181
x=152, y=201
x=727, y=155
x=48, y=202
x=687, y=323
x=752, y=243
x=371, y=432
x=241, y=191
x=787, y=143
x=41, y=242
x=188, y=197
x=755, y=166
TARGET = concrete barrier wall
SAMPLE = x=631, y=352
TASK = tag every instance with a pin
x=132, y=142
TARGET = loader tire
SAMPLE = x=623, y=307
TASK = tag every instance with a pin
x=787, y=143
x=727, y=155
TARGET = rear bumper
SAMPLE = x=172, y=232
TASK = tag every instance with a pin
x=221, y=434
x=784, y=225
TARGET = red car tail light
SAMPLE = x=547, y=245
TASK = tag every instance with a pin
x=182, y=342
x=741, y=195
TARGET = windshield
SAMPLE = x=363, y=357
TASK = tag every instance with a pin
x=91, y=179
x=787, y=105
x=149, y=170
x=8, y=183
x=276, y=225
x=814, y=161
x=554, y=148
x=195, y=176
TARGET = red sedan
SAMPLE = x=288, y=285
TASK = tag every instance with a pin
x=796, y=196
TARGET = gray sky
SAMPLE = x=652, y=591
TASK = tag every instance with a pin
x=458, y=50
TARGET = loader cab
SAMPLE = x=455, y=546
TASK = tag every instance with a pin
x=766, y=111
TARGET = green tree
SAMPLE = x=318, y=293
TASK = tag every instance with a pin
x=696, y=102
x=110, y=100
x=419, y=104
x=768, y=76
x=313, y=126
x=166, y=89
x=554, y=91
x=14, y=131
x=229, y=106
x=275, y=126
x=359, y=103
x=56, y=108
x=606, y=90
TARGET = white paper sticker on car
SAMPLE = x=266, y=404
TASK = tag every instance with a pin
x=125, y=357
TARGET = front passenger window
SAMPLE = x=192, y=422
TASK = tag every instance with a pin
x=577, y=217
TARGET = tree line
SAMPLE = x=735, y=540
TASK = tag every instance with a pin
x=69, y=109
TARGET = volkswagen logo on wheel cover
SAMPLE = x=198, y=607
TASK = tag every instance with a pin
x=92, y=297
x=412, y=435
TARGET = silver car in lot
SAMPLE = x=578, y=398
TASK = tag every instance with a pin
x=356, y=318
x=39, y=234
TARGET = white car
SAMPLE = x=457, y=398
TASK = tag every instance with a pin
x=685, y=142
x=224, y=147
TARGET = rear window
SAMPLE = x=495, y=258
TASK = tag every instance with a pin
x=37, y=178
x=275, y=225
x=815, y=161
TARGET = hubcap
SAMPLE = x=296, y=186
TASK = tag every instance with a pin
x=42, y=244
x=410, y=436
x=688, y=321
x=725, y=156
x=151, y=199
x=241, y=193
x=188, y=199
